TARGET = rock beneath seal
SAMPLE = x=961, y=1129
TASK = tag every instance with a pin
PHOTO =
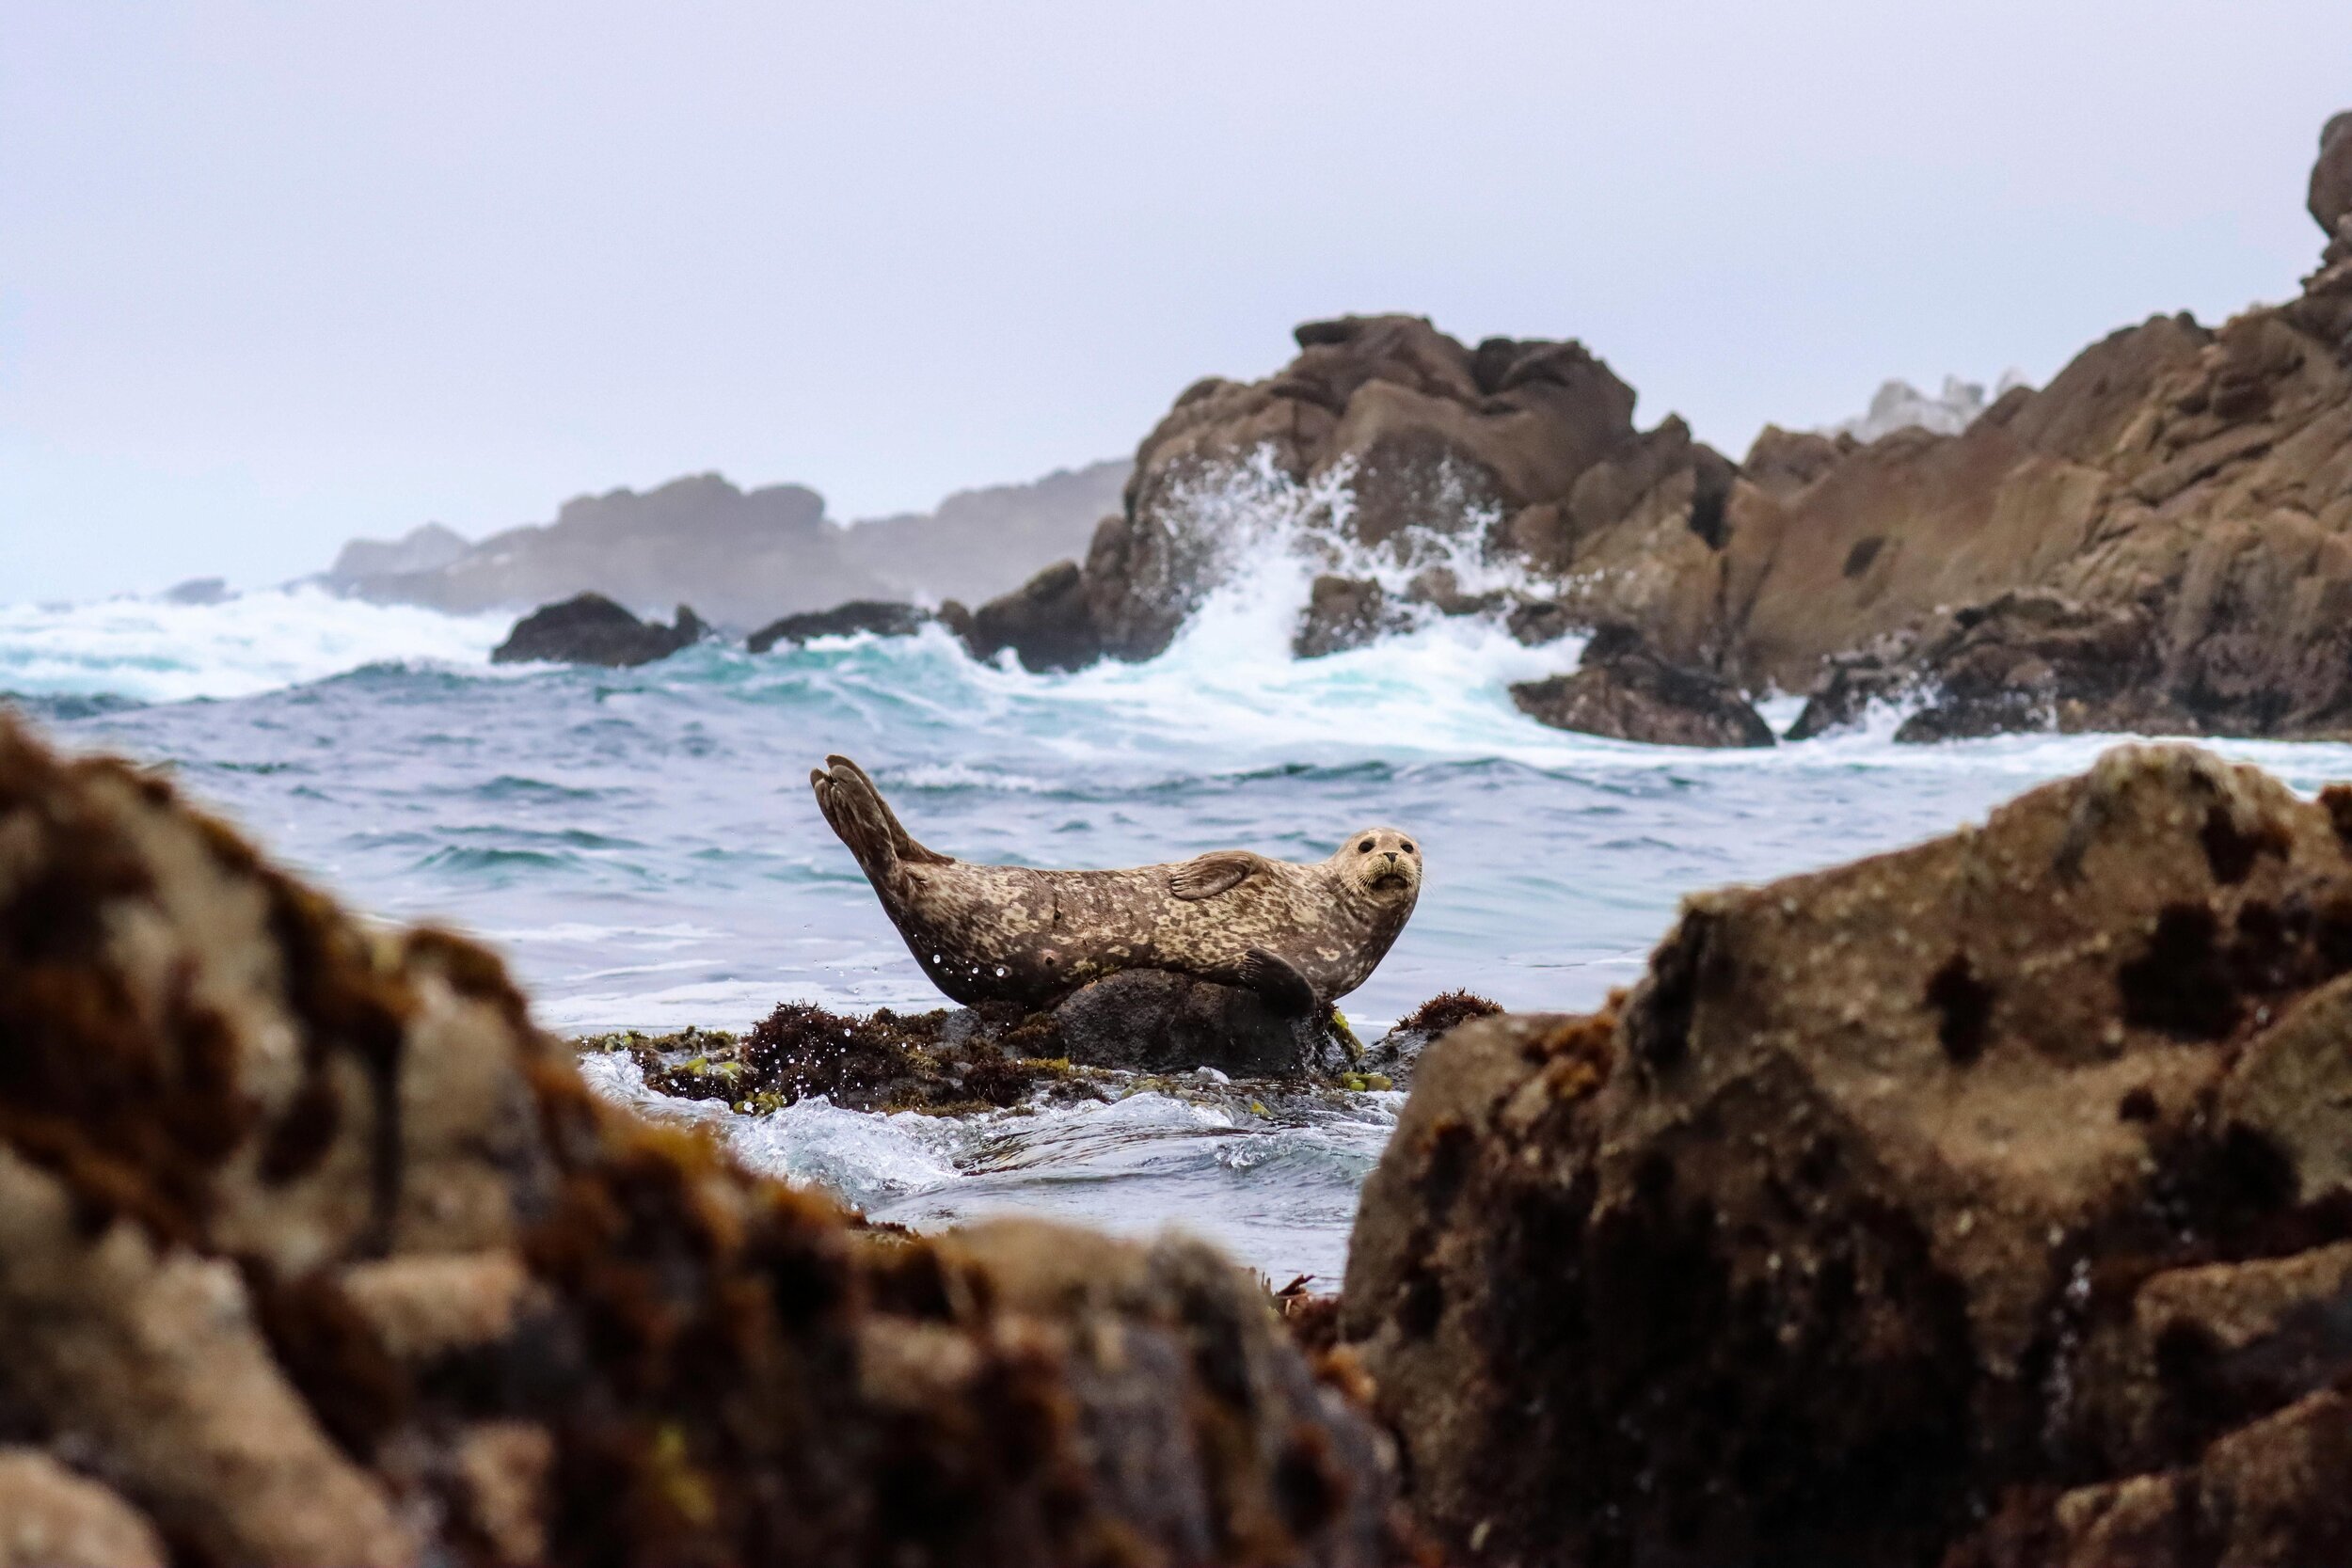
x=1624, y=690
x=1343, y=613
x=879, y=617
x=2000, y=1176
x=590, y=629
x=1153, y=1021
x=1300, y=936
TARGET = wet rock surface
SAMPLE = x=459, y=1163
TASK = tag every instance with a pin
x=1986, y=1199
x=1346, y=612
x=2029, y=661
x=313, y=1249
x=956, y=1061
x=590, y=629
x=1623, y=689
x=880, y=617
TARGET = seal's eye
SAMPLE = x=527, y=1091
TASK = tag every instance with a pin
x=1408, y=847
x=1365, y=847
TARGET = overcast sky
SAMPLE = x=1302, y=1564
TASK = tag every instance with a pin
x=276, y=273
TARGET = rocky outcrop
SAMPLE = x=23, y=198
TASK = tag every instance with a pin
x=876, y=617
x=2029, y=661
x=592, y=629
x=2196, y=482
x=2331, y=200
x=313, y=1250
x=1429, y=439
x=1047, y=622
x=1987, y=1198
x=1621, y=689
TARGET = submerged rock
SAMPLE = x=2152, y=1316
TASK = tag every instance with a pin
x=883, y=618
x=322, y=1254
x=1989, y=1197
x=1623, y=689
x=590, y=629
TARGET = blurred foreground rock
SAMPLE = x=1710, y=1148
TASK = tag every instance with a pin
x=312, y=1250
x=1986, y=1203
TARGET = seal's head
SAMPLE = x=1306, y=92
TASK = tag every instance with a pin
x=1382, y=862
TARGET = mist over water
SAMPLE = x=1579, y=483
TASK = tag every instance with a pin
x=642, y=847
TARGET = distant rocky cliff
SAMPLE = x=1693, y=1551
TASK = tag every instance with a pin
x=738, y=555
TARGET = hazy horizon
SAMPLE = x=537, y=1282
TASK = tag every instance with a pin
x=271, y=278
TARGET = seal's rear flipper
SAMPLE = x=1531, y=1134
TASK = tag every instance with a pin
x=1280, y=985
x=856, y=813
x=901, y=840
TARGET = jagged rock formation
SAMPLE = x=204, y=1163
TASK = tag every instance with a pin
x=746, y=556
x=1429, y=436
x=592, y=629
x=2195, y=482
x=2331, y=200
x=881, y=617
x=313, y=1250
x=1621, y=690
x=1990, y=1197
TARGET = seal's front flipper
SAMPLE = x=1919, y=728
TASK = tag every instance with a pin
x=1273, y=978
x=1219, y=871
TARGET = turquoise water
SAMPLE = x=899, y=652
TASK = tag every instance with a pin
x=642, y=847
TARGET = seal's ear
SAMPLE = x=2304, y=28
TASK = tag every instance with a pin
x=1279, y=985
x=1219, y=871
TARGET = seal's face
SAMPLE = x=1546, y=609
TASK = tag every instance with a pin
x=1382, y=862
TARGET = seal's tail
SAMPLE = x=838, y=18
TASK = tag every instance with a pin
x=855, y=810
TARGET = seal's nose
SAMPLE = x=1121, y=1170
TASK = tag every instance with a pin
x=1390, y=853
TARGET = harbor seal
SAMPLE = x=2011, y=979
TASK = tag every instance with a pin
x=1300, y=936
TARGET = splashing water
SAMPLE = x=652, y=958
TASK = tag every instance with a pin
x=642, y=845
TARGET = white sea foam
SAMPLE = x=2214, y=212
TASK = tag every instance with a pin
x=153, y=651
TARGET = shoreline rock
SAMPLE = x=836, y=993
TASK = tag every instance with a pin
x=1623, y=689
x=1980, y=1203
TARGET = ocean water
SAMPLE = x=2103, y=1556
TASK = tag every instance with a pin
x=642, y=847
